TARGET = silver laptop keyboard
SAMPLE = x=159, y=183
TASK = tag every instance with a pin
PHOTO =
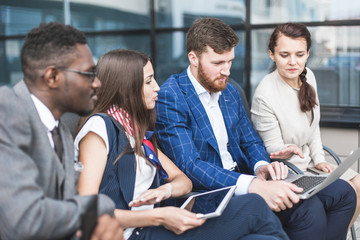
x=308, y=182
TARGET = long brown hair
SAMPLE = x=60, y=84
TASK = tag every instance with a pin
x=307, y=94
x=122, y=77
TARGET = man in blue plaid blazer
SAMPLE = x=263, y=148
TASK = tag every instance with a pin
x=202, y=126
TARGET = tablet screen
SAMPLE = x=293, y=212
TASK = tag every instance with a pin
x=218, y=198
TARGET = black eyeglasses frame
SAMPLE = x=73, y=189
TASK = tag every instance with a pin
x=90, y=75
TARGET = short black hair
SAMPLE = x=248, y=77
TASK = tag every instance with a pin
x=49, y=44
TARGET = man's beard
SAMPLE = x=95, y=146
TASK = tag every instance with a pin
x=210, y=84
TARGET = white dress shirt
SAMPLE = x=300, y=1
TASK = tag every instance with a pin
x=47, y=118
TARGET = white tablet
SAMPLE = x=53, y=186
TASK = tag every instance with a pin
x=224, y=194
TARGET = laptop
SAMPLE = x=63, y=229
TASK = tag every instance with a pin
x=222, y=195
x=314, y=184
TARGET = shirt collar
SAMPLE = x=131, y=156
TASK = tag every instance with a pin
x=47, y=118
x=201, y=91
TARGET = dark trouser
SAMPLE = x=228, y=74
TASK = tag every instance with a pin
x=324, y=216
x=245, y=217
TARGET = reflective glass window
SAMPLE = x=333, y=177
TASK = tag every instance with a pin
x=100, y=45
x=275, y=11
x=18, y=17
x=106, y=15
x=177, y=14
x=10, y=66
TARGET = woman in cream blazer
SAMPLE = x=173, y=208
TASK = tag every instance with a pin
x=285, y=108
x=279, y=121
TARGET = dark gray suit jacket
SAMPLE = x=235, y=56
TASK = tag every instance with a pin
x=33, y=205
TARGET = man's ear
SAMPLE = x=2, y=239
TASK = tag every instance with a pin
x=51, y=76
x=193, y=59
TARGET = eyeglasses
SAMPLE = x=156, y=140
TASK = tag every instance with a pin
x=90, y=75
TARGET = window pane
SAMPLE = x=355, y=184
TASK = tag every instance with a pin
x=172, y=57
x=91, y=15
x=100, y=45
x=260, y=60
x=334, y=59
x=181, y=13
x=10, y=66
x=276, y=11
x=18, y=17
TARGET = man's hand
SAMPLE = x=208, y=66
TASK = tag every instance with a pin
x=279, y=195
x=178, y=220
x=274, y=170
x=107, y=228
x=287, y=152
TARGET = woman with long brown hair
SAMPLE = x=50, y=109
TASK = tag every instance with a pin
x=285, y=108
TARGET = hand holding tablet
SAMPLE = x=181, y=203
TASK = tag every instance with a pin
x=224, y=194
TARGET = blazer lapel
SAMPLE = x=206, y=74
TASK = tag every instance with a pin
x=224, y=103
x=56, y=167
x=198, y=110
x=126, y=175
x=125, y=169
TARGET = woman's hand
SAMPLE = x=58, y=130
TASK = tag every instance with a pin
x=178, y=220
x=153, y=196
x=325, y=167
x=287, y=152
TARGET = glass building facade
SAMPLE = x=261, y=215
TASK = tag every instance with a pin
x=158, y=28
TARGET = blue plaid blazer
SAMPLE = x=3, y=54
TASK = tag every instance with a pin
x=185, y=135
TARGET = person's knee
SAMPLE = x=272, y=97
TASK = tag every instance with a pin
x=309, y=216
x=339, y=195
x=253, y=199
x=259, y=237
x=346, y=191
x=306, y=220
x=355, y=183
x=251, y=202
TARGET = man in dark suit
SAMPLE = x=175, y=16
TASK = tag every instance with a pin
x=202, y=126
x=38, y=182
